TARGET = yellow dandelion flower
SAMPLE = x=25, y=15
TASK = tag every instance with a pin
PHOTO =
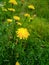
x=4, y=9
x=9, y=20
x=13, y=2
x=31, y=7
x=27, y=15
x=22, y=33
x=19, y=23
x=11, y=9
x=16, y=17
x=17, y=63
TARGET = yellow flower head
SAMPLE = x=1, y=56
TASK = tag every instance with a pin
x=22, y=33
x=9, y=20
x=27, y=15
x=31, y=7
x=17, y=63
x=19, y=23
x=16, y=17
x=13, y=2
x=11, y=9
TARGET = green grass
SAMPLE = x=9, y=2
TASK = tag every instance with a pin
x=34, y=50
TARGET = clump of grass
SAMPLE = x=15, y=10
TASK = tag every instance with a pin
x=24, y=36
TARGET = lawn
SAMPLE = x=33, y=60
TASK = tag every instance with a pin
x=24, y=32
